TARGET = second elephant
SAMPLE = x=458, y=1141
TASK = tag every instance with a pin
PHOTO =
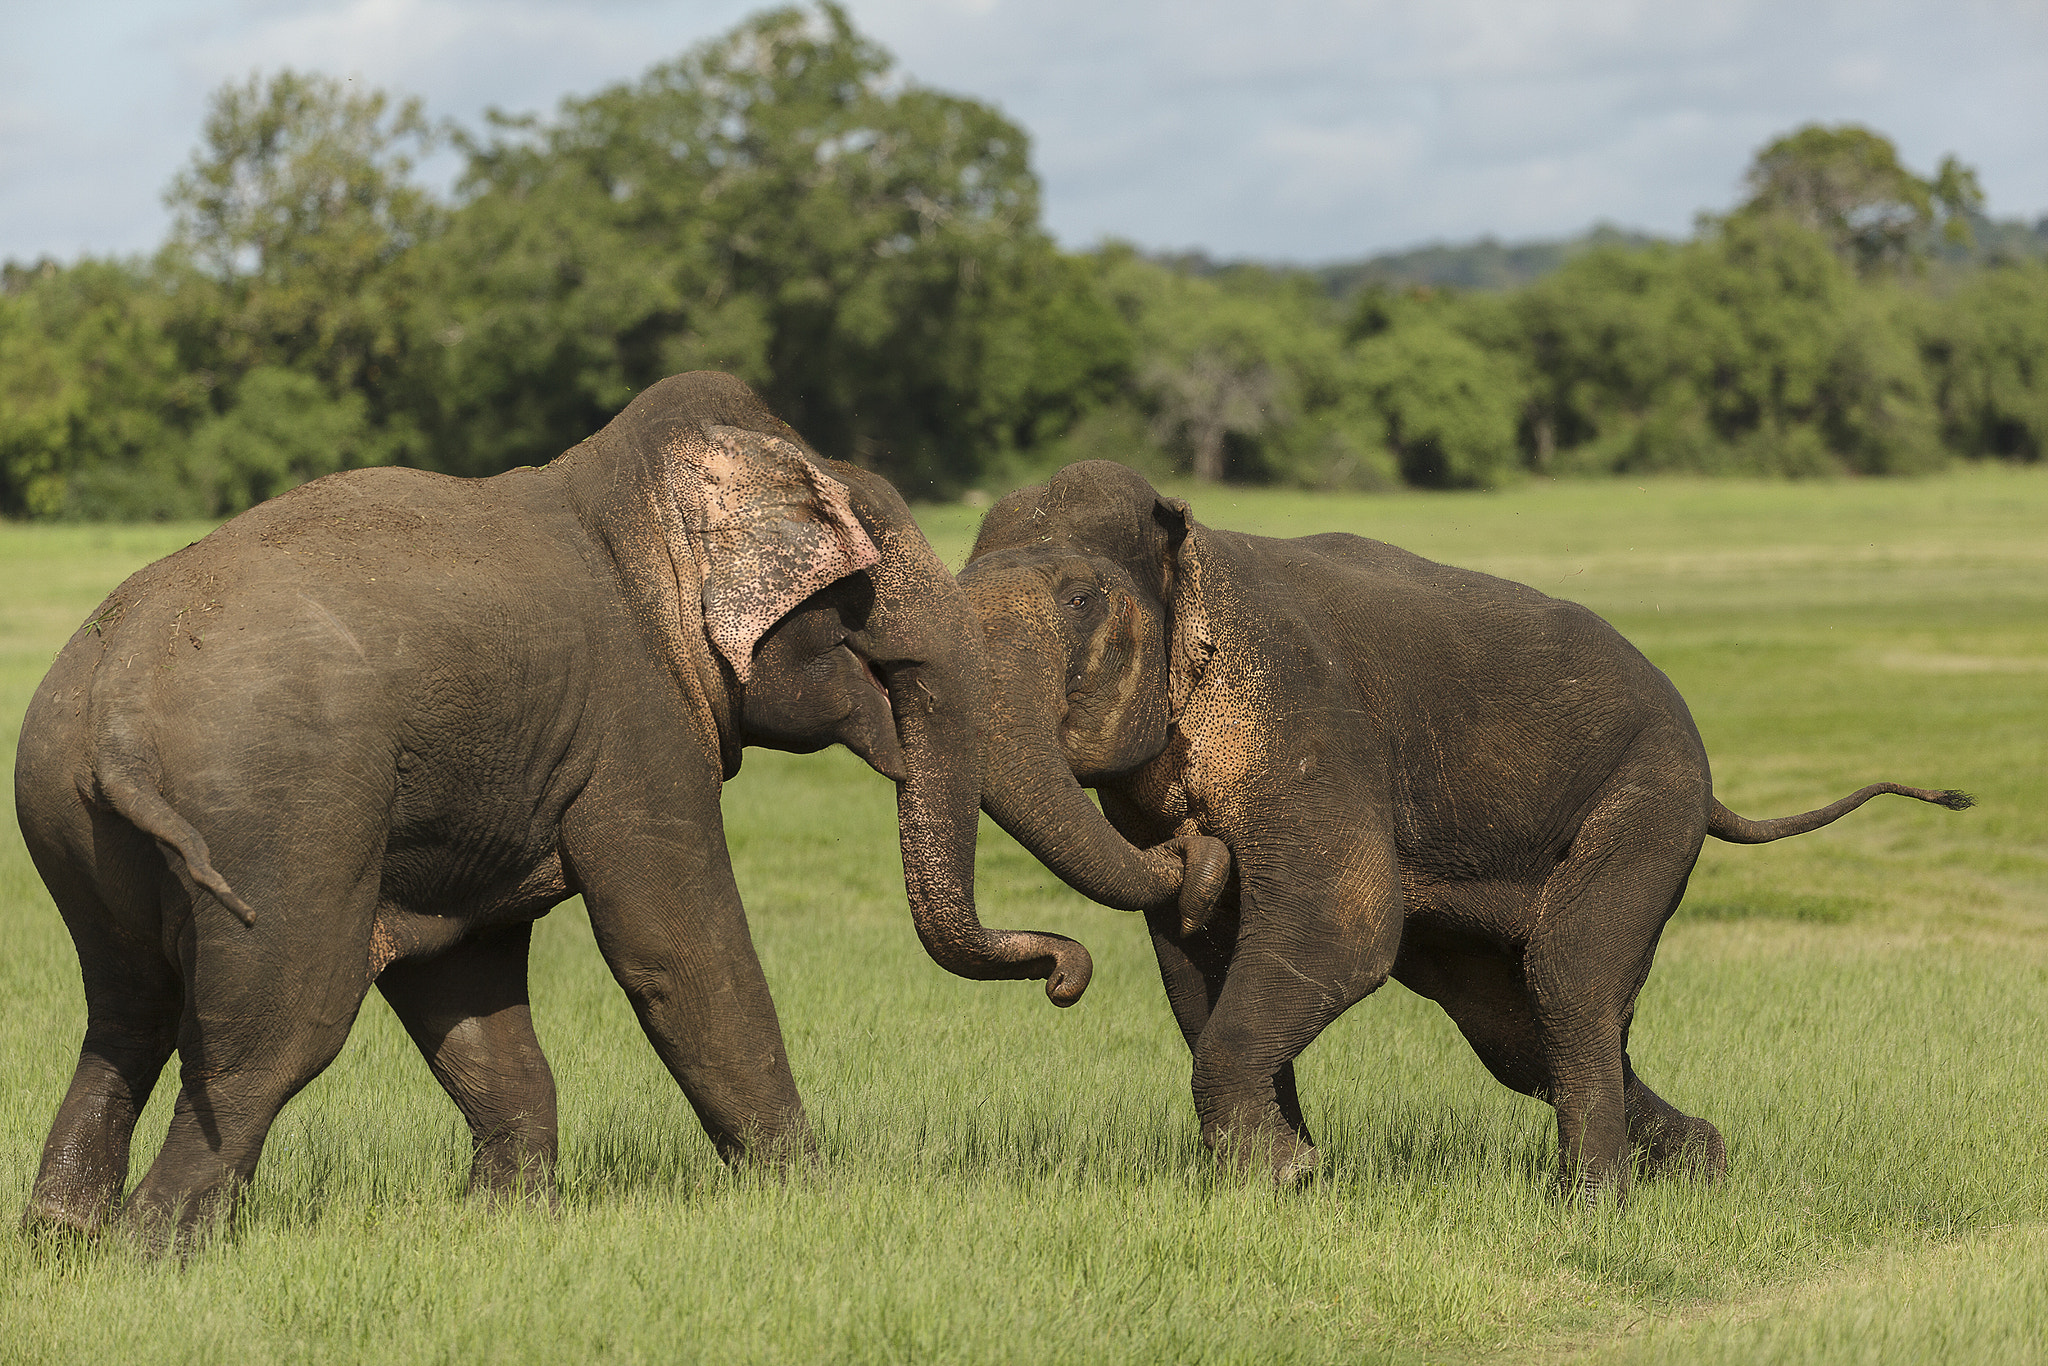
x=1419, y=771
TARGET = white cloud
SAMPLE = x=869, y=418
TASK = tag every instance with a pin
x=1306, y=129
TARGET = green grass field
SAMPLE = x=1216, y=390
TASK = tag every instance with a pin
x=1863, y=1011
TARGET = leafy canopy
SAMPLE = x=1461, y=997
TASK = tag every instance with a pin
x=779, y=204
x=300, y=209
x=1847, y=184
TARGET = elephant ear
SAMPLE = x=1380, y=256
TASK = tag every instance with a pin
x=1191, y=644
x=1171, y=522
x=772, y=529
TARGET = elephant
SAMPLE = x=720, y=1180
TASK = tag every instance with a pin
x=1418, y=771
x=368, y=732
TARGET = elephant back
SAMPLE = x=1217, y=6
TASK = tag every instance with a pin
x=686, y=407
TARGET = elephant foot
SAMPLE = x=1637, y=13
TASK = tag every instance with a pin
x=539, y=1196
x=533, y=1188
x=787, y=1150
x=51, y=1218
x=1283, y=1155
x=177, y=1231
x=1682, y=1146
x=1299, y=1167
x=515, y=1169
x=1589, y=1185
x=1667, y=1141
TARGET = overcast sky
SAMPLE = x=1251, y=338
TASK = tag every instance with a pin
x=1306, y=130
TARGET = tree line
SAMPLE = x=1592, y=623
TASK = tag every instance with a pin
x=867, y=252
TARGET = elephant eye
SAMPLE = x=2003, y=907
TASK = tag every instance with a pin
x=1077, y=601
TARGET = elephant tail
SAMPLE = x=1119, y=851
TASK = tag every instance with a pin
x=135, y=796
x=1726, y=825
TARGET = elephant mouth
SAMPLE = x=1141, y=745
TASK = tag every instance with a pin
x=867, y=671
x=878, y=741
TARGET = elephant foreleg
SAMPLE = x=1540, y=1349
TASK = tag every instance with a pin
x=467, y=1010
x=1193, y=968
x=668, y=920
x=1314, y=941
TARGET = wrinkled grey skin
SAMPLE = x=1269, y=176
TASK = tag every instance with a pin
x=368, y=732
x=1419, y=771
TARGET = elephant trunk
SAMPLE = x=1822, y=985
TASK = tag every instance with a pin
x=925, y=644
x=938, y=809
x=1031, y=791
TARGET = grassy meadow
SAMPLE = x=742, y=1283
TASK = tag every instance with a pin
x=1863, y=1011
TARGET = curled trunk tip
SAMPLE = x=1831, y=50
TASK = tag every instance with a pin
x=984, y=955
x=1072, y=967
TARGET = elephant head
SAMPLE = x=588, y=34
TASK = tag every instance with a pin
x=821, y=616
x=1075, y=582
x=812, y=686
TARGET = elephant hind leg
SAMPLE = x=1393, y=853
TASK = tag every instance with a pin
x=1666, y=1140
x=1597, y=926
x=131, y=1029
x=133, y=999
x=1487, y=997
x=266, y=1010
x=467, y=1010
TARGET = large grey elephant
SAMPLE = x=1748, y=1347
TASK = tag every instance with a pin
x=1419, y=771
x=369, y=731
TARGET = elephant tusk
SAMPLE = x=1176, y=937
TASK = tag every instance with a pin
x=867, y=671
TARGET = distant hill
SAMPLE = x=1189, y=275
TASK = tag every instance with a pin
x=1998, y=239
x=1492, y=264
x=1486, y=264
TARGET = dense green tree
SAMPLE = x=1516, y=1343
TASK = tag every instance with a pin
x=1446, y=409
x=1987, y=349
x=1848, y=184
x=285, y=427
x=775, y=203
x=297, y=214
x=779, y=203
x=1214, y=370
x=91, y=386
x=1752, y=349
x=102, y=415
x=263, y=345
x=1238, y=374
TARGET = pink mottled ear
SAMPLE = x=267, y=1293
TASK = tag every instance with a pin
x=772, y=529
